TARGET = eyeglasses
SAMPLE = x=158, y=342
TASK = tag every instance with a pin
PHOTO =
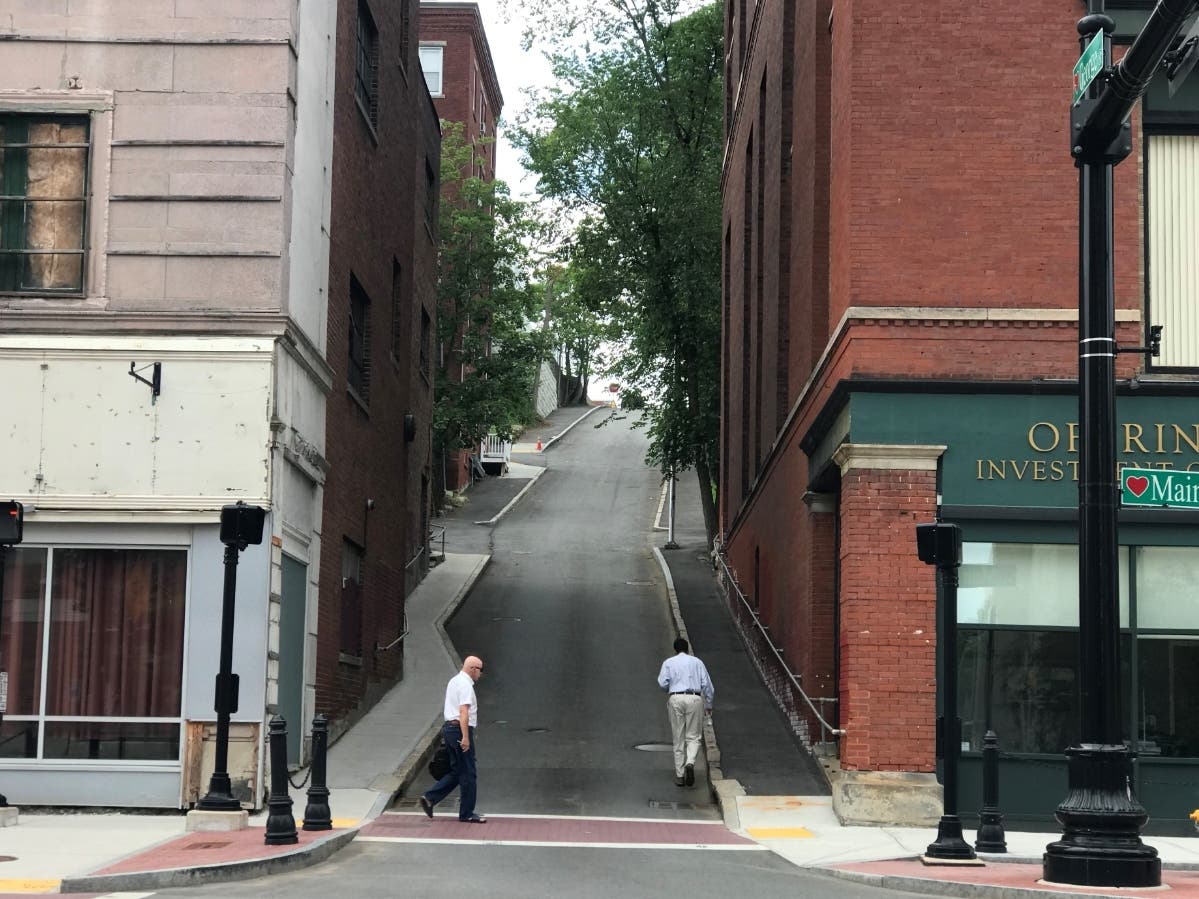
x=476, y=667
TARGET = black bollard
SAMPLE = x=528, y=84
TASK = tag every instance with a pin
x=316, y=814
x=990, y=836
x=280, y=825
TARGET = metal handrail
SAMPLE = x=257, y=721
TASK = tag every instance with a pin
x=824, y=725
x=425, y=546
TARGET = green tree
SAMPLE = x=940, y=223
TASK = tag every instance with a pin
x=578, y=329
x=629, y=140
x=488, y=298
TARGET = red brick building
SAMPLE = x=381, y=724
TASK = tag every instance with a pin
x=900, y=343
x=382, y=311
x=461, y=78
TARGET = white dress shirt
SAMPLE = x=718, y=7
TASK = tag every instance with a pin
x=460, y=691
x=684, y=672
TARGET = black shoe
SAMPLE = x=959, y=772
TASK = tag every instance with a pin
x=678, y=781
x=474, y=819
x=426, y=806
x=689, y=775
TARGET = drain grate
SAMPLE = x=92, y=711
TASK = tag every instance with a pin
x=672, y=804
x=214, y=844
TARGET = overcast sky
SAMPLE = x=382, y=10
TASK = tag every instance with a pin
x=516, y=71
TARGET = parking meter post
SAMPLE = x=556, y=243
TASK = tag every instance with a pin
x=990, y=836
x=317, y=815
x=280, y=824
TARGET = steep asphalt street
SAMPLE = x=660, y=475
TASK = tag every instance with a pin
x=571, y=623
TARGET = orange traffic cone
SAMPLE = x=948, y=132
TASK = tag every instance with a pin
x=538, y=444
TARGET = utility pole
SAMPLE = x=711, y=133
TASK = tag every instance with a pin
x=1101, y=818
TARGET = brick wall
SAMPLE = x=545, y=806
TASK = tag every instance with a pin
x=379, y=238
x=888, y=622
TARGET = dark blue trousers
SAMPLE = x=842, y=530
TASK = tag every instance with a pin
x=462, y=772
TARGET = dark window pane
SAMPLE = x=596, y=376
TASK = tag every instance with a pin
x=1030, y=679
x=43, y=171
x=18, y=740
x=112, y=740
x=1167, y=701
x=1033, y=688
x=116, y=632
x=21, y=617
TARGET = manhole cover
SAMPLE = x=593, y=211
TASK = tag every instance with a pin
x=215, y=844
x=654, y=747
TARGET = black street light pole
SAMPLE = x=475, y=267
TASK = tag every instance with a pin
x=1101, y=818
x=241, y=525
x=12, y=526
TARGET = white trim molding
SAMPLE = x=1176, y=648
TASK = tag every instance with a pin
x=888, y=456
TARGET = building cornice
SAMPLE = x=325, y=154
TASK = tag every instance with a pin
x=888, y=456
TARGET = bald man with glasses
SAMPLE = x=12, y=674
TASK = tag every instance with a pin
x=458, y=732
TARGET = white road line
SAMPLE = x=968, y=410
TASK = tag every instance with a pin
x=498, y=815
x=550, y=844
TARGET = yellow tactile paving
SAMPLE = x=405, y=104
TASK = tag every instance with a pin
x=338, y=823
x=776, y=803
x=20, y=885
x=779, y=833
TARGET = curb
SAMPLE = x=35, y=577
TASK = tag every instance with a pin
x=302, y=857
x=512, y=502
x=725, y=790
x=566, y=430
x=954, y=888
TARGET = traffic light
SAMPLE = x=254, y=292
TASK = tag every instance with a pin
x=12, y=521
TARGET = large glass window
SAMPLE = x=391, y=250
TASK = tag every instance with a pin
x=43, y=203
x=1026, y=584
x=93, y=643
x=1018, y=647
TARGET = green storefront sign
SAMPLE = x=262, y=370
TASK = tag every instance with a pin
x=1012, y=450
x=1145, y=487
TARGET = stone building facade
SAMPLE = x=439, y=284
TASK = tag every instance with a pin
x=165, y=332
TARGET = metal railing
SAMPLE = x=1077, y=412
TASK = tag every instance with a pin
x=825, y=727
x=493, y=449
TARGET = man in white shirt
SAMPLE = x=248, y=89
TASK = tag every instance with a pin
x=686, y=679
x=458, y=732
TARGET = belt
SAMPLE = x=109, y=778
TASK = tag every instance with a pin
x=685, y=693
x=455, y=722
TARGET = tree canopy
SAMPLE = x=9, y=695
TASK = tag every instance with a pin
x=629, y=141
x=488, y=296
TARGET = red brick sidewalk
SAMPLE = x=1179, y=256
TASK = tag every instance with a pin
x=212, y=848
x=589, y=831
x=900, y=873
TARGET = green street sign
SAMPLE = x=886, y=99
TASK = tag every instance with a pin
x=1155, y=487
x=1088, y=66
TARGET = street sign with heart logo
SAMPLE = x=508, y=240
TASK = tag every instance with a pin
x=1159, y=487
x=1137, y=484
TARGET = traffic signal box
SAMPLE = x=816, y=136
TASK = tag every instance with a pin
x=12, y=522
